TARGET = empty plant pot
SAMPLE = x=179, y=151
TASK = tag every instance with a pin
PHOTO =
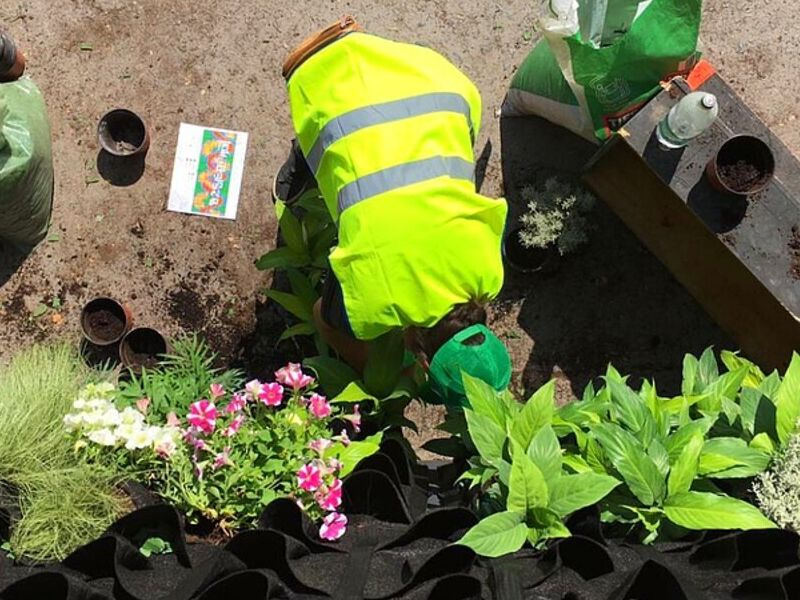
x=123, y=133
x=142, y=348
x=744, y=165
x=528, y=260
x=104, y=321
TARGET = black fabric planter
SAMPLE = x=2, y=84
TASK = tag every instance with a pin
x=396, y=547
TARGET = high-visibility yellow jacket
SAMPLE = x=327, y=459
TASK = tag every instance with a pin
x=388, y=130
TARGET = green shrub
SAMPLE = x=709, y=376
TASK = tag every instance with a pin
x=64, y=502
x=778, y=490
x=556, y=215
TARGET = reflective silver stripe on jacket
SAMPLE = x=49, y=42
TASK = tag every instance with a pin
x=378, y=114
x=402, y=175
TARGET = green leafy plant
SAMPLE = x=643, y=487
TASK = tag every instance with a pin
x=229, y=453
x=556, y=215
x=778, y=490
x=671, y=453
x=155, y=545
x=64, y=502
x=384, y=390
x=304, y=258
x=519, y=465
x=181, y=378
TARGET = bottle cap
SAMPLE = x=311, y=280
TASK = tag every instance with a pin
x=709, y=101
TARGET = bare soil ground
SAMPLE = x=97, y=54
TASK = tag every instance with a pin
x=218, y=64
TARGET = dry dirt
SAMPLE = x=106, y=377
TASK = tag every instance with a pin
x=218, y=64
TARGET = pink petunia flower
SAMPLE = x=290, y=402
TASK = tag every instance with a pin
x=198, y=471
x=309, y=478
x=292, y=375
x=319, y=446
x=271, y=394
x=203, y=416
x=343, y=438
x=173, y=420
x=190, y=436
x=237, y=404
x=253, y=388
x=217, y=391
x=333, y=527
x=142, y=404
x=355, y=418
x=232, y=429
x=319, y=406
x=334, y=465
x=332, y=499
x=223, y=459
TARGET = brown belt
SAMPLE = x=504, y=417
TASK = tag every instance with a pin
x=318, y=41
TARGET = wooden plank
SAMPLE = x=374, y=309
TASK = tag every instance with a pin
x=729, y=291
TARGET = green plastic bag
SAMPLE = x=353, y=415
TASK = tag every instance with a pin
x=601, y=60
x=26, y=165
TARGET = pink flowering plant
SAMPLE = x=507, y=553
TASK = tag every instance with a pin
x=234, y=451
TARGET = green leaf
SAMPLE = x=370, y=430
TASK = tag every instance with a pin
x=545, y=453
x=660, y=457
x=728, y=458
x=155, y=545
x=536, y=413
x=292, y=232
x=702, y=510
x=763, y=442
x=385, y=363
x=733, y=361
x=39, y=311
x=628, y=457
x=302, y=287
x=569, y=493
x=726, y=386
x=632, y=412
x=484, y=400
x=355, y=452
x=708, y=369
x=787, y=400
x=499, y=534
x=770, y=386
x=678, y=440
x=576, y=463
x=333, y=375
x=292, y=303
x=487, y=437
x=452, y=447
x=527, y=488
x=353, y=393
x=690, y=369
x=685, y=468
x=545, y=524
x=298, y=329
x=281, y=258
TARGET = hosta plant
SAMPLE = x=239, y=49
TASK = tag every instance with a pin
x=520, y=467
x=231, y=452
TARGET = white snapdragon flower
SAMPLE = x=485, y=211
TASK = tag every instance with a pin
x=103, y=437
x=127, y=430
x=98, y=404
x=93, y=419
x=79, y=404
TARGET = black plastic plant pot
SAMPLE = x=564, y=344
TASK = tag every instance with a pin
x=528, y=260
x=142, y=348
x=104, y=321
x=744, y=165
x=122, y=133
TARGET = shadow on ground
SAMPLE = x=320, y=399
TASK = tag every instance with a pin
x=613, y=302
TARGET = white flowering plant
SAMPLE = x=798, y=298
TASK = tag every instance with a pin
x=233, y=452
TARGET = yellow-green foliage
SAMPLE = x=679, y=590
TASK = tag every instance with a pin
x=63, y=501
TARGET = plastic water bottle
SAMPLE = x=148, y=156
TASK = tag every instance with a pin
x=688, y=119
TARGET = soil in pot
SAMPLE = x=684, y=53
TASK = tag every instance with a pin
x=527, y=260
x=104, y=321
x=106, y=325
x=143, y=348
x=743, y=176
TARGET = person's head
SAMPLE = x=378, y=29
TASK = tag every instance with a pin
x=461, y=342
